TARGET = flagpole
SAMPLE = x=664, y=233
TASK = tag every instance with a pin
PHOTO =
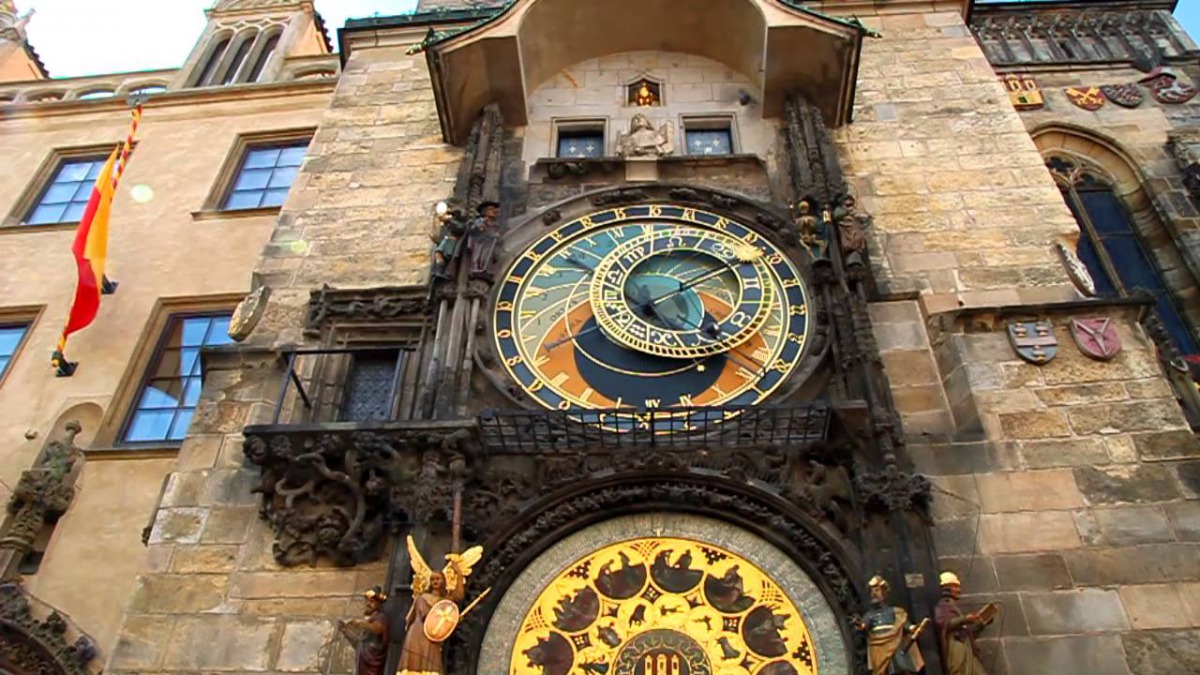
x=63, y=367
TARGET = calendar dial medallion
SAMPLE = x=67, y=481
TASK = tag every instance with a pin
x=651, y=307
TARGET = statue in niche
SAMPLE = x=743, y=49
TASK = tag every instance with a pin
x=891, y=640
x=449, y=242
x=369, y=634
x=434, y=613
x=643, y=140
x=481, y=240
x=811, y=230
x=957, y=631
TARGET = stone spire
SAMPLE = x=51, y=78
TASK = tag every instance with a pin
x=18, y=61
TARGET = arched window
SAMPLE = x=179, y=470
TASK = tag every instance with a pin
x=264, y=55
x=1110, y=247
x=239, y=57
x=214, y=59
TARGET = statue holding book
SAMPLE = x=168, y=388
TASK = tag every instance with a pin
x=958, y=630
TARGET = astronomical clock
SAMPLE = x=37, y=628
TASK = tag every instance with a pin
x=653, y=307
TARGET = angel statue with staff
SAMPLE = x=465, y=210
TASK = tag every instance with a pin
x=434, y=614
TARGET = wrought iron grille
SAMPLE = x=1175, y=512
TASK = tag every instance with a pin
x=373, y=384
x=527, y=431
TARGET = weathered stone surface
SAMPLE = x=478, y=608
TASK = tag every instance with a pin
x=1091, y=654
x=204, y=559
x=1123, y=526
x=297, y=584
x=1064, y=453
x=1176, y=444
x=227, y=487
x=1155, y=606
x=184, y=488
x=964, y=458
x=179, y=593
x=141, y=643
x=1189, y=478
x=1110, y=418
x=181, y=526
x=221, y=643
x=1162, y=652
x=301, y=650
x=1125, y=484
x=228, y=525
x=1185, y=519
x=1034, y=424
x=1046, y=571
x=1190, y=594
x=1084, y=610
x=1133, y=564
x=1082, y=393
x=1028, y=491
x=956, y=537
x=1027, y=532
x=954, y=497
x=1014, y=623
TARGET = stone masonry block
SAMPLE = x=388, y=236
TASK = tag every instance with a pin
x=1085, y=610
x=1064, y=453
x=1034, y=424
x=1028, y=491
x=1174, y=444
x=1162, y=652
x=1185, y=519
x=1027, y=532
x=1131, y=525
x=1126, y=484
x=178, y=593
x=301, y=650
x=1047, y=571
x=181, y=526
x=204, y=559
x=228, y=525
x=1190, y=594
x=1091, y=654
x=1155, y=606
x=1116, y=417
x=1149, y=563
x=217, y=643
x=140, y=645
x=296, y=584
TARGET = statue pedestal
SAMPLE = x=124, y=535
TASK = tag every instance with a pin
x=641, y=169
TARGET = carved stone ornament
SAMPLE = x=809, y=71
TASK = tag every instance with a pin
x=1128, y=95
x=643, y=140
x=42, y=494
x=1088, y=98
x=892, y=490
x=1076, y=270
x=1034, y=341
x=248, y=313
x=327, y=306
x=1169, y=89
x=1023, y=91
x=29, y=644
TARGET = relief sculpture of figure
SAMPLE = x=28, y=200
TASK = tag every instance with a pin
x=369, y=634
x=957, y=631
x=481, y=240
x=891, y=640
x=434, y=613
x=644, y=141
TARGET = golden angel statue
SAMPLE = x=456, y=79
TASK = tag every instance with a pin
x=434, y=614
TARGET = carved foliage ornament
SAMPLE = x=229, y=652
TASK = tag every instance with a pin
x=42, y=494
x=32, y=645
x=327, y=306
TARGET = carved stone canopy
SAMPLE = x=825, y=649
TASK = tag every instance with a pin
x=29, y=644
x=780, y=47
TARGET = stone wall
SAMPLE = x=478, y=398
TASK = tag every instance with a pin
x=1073, y=504
x=361, y=211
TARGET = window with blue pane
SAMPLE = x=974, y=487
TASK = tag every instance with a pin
x=65, y=198
x=172, y=386
x=581, y=143
x=717, y=141
x=10, y=338
x=1112, y=252
x=265, y=176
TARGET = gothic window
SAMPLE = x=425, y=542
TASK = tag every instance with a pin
x=265, y=175
x=65, y=197
x=1112, y=251
x=11, y=336
x=264, y=55
x=210, y=64
x=239, y=57
x=168, y=396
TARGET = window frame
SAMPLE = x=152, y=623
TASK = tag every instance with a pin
x=231, y=168
x=166, y=325
x=718, y=122
x=18, y=316
x=40, y=183
x=576, y=125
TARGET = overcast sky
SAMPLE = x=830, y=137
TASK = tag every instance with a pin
x=88, y=37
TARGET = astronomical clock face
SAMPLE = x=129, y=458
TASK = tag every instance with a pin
x=651, y=307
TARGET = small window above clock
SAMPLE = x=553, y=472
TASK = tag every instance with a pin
x=709, y=135
x=579, y=139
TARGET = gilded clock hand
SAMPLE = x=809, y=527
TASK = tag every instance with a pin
x=684, y=285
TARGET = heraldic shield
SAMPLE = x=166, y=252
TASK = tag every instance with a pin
x=1034, y=341
x=441, y=621
x=1097, y=338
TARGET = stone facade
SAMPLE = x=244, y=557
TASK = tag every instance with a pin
x=1066, y=491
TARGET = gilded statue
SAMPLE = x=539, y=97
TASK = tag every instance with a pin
x=891, y=640
x=643, y=140
x=434, y=613
x=957, y=631
x=369, y=634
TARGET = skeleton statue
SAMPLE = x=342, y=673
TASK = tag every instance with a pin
x=644, y=141
x=434, y=614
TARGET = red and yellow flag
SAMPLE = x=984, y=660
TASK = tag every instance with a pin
x=91, y=246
